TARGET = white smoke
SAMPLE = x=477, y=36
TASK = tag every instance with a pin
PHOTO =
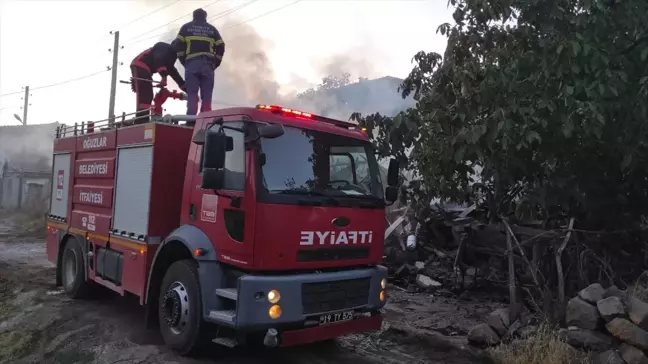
x=27, y=147
x=246, y=76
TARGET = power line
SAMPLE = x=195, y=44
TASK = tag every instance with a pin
x=94, y=43
x=174, y=20
x=11, y=93
x=57, y=83
x=231, y=10
x=217, y=16
x=149, y=14
x=68, y=81
x=264, y=14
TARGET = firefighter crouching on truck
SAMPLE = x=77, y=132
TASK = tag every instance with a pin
x=200, y=50
x=160, y=59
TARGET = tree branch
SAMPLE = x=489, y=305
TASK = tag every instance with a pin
x=517, y=243
x=559, y=267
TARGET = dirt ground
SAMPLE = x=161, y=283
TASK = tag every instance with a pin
x=39, y=324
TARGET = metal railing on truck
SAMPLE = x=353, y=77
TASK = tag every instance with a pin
x=154, y=114
x=89, y=127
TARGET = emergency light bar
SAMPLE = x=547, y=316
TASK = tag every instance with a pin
x=284, y=110
x=291, y=112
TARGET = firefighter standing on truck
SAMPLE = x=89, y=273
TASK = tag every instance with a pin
x=200, y=50
x=160, y=59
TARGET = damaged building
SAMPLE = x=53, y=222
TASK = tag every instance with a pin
x=379, y=95
x=22, y=188
x=25, y=165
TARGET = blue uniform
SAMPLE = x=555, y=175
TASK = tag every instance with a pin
x=200, y=49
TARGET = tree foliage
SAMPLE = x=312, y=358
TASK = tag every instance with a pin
x=540, y=106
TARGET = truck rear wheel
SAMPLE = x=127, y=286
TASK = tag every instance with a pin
x=179, y=307
x=73, y=270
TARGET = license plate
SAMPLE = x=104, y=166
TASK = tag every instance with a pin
x=336, y=317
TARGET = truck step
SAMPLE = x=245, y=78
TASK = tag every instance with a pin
x=224, y=316
x=225, y=341
x=229, y=293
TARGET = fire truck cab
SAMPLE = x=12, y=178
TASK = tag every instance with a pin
x=265, y=223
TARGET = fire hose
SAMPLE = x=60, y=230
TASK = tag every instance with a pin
x=161, y=96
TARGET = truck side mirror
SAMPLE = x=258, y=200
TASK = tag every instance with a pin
x=217, y=144
x=212, y=179
x=391, y=194
x=392, y=174
x=271, y=131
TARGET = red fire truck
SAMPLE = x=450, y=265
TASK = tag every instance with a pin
x=264, y=223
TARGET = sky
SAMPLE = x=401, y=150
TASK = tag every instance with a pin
x=289, y=45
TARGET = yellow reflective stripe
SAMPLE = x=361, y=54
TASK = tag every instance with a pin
x=199, y=54
x=212, y=42
x=217, y=56
x=179, y=37
x=190, y=38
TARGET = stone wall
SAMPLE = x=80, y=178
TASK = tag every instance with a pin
x=608, y=323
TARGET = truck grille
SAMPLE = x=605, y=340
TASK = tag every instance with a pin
x=318, y=255
x=332, y=296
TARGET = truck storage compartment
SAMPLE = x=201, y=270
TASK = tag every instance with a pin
x=133, y=191
x=125, y=181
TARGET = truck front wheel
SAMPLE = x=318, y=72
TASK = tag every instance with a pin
x=179, y=307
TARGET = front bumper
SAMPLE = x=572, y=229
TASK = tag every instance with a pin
x=326, y=332
x=301, y=305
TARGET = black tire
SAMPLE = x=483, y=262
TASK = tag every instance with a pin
x=73, y=270
x=180, y=283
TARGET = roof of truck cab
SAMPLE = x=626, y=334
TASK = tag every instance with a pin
x=294, y=121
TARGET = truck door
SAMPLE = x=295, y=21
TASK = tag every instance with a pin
x=222, y=214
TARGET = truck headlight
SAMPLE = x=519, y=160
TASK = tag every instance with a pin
x=382, y=296
x=383, y=283
x=274, y=296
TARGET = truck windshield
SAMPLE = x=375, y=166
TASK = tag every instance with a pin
x=320, y=164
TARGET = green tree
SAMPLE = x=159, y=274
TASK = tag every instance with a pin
x=539, y=102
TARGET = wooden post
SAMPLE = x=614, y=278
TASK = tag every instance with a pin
x=559, y=269
x=513, y=305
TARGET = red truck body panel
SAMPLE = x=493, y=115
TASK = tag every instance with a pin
x=311, y=335
x=273, y=232
x=319, y=238
x=92, y=186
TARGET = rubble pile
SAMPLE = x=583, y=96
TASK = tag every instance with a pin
x=445, y=251
x=609, y=321
x=610, y=324
x=501, y=326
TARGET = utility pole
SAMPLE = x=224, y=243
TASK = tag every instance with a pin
x=26, y=106
x=113, y=81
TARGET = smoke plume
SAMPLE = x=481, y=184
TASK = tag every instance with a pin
x=246, y=76
x=27, y=148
